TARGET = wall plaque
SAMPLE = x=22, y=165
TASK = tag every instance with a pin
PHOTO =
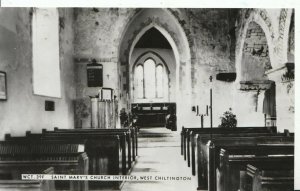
x=94, y=74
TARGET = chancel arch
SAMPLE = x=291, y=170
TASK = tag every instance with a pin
x=165, y=22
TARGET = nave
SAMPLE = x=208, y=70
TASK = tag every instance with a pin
x=159, y=151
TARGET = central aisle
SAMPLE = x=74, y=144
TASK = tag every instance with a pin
x=159, y=155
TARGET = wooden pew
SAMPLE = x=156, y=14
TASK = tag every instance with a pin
x=190, y=139
x=198, y=137
x=275, y=177
x=208, y=151
x=235, y=159
x=185, y=133
x=24, y=157
x=25, y=185
x=132, y=131
x=188, y=132
x=103, y=151
x=125, y=142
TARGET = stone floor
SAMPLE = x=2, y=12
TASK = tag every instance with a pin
x=159, y=155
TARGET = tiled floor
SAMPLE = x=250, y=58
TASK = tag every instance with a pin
x=159, y=155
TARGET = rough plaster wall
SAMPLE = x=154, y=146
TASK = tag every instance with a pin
x=98, y=31
x=110, y=78
x=248, y=108
x=169, y=58
x=222, y=97
x=287, y=117
x=83, y=104
x=212, y=32
x=97, y=35
x=214, y=42
x=24, y=111
x=285, y=101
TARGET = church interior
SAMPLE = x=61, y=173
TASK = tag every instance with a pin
x=188, y=98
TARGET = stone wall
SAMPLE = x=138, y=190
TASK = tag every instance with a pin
x=23, y=110
x=97, y=36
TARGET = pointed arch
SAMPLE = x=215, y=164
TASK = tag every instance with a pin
x=255, y=16
x=165, y=22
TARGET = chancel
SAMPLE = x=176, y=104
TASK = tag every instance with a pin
x=191, y=99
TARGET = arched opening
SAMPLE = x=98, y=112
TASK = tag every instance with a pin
x=179, y=72
x=256, y=58
x=254, y=81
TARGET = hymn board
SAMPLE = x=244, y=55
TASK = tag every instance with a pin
x=94, y=74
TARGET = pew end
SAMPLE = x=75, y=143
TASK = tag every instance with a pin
x=275, y=178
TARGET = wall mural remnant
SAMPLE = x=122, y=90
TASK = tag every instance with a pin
x=282, y=22
x=256, y=44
